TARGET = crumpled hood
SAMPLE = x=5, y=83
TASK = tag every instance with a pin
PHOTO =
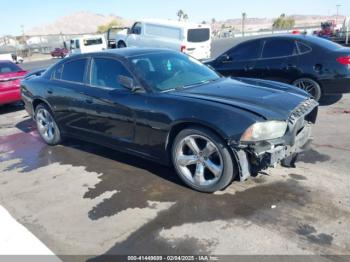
x=271, y=100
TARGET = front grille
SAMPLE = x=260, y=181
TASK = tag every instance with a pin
x=302, y=110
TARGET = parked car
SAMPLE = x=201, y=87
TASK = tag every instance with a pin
x=316, y=65
x=87, y=44
x=59, y=52
x=10, y=77
x=170, y=108
x=12, y=57
x=189, y=38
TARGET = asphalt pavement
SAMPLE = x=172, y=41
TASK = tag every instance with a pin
x=218, y=47
x=82, y=199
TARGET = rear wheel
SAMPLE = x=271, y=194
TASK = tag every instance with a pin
x=310, y=86
x=121, y=44
x=46, y=124
x=202, y=160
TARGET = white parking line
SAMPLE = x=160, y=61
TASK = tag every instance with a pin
x=15, y=239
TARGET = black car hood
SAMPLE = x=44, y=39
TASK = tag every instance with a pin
x=268, y=99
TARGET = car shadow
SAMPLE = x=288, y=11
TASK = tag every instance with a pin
x=162, y=171
x=328, y=100
x=10, y=108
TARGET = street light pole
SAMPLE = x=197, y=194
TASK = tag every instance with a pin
x=336, y=20
x=244, y=16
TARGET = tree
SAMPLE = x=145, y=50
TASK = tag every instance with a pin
x=283, y=22
x=104, y=28
x=182, y=15
x=213, y=20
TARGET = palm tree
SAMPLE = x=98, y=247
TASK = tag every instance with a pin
x=180, y=14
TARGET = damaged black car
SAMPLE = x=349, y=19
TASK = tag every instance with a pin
x=172, y=109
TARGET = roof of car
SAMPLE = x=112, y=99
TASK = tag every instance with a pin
x=174, y=23
x=132, y=51
x=310, y=38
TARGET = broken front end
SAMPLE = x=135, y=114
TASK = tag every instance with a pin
x=266, y=144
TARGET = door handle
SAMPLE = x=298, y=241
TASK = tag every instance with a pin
x=50, y=92
x=288, y=67
x=248, y=68
x=89, y=101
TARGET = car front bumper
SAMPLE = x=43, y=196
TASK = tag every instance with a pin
x=250, y=161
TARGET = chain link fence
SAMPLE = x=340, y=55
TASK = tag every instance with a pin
x=26, y=46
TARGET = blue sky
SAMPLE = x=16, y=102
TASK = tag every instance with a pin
x=32, y=13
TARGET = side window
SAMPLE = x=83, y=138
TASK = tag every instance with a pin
x=77, y=44
x=279, y=48
x=246, y=51
x=136, y=29
x=74, y=71
x=57, y=73
x=105, y=72
x=304, y=48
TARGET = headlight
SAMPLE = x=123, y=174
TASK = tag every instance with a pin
x=264, y=131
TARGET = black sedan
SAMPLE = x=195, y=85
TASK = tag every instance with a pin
x=170, y=108
x=316, y=65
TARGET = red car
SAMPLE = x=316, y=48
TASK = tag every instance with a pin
x=10, y=77
x=59, y=52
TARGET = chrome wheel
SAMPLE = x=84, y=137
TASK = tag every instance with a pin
x=310, y=86
x=46, y=125
x=199, y=160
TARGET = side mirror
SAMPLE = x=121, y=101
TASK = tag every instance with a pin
x=128, y=83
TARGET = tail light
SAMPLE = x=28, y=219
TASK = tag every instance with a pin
x=344, y=60
x=183, y=48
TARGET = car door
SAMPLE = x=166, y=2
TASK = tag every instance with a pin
x=62, y=92
x=240, y=61
x=134, y=37
x=110, y=108
x=279, y=60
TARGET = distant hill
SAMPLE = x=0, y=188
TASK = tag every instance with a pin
x=87, y=22
x=76, y=23
x=255, y=24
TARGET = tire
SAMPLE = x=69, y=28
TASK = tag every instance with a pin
x=309, y=85
x=47, y=126
x=121, y=44
x=211, y=160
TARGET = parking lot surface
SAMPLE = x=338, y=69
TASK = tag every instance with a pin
x=80, y=198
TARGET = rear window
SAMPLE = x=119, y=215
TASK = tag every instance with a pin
x=96, y=41
x=198, y=35
x=325, y=43
x=8, y=68
x=74, y=71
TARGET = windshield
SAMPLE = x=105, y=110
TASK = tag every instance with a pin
x=168, y=71
x=6, y=67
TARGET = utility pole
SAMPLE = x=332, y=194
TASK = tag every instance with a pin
x=336, y=20
x=244, y=17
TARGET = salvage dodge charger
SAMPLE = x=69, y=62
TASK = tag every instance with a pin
x=170, y=108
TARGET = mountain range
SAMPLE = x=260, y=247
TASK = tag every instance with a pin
x=87, y=22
